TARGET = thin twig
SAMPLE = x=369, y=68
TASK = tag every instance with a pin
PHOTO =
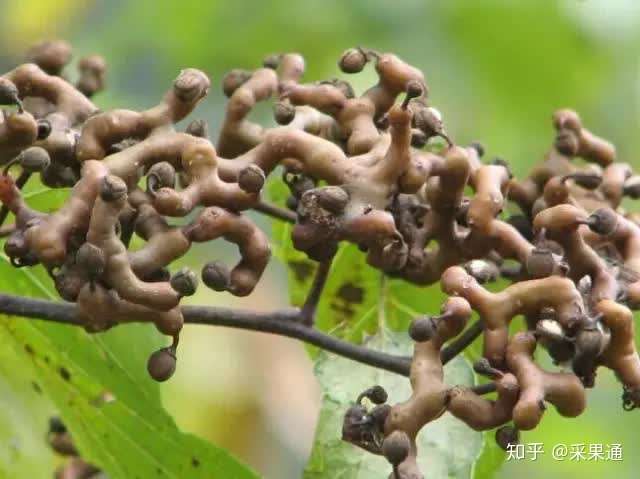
x=275, y=212
x=284, y=322
x=308, y=311
x=461, y=342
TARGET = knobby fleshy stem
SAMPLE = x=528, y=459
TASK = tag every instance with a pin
x=284, y=322
x=275, y=212
x=461, y=342
x=20, y=182
x=308, y=311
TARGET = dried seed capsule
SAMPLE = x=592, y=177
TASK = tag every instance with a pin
x=550, y=329
x=8, y=92
x=589, y=344
x=57, y=176
x=251, y=179
x=199, y=128
x=92, y=71
x=376, y=394
x=283, y=112
x=567, y=143
x=184, y=282
x=355, y=419
x=158, y=276
x=91, y=259
x=482, y=271
x=630, y=399
x=414, y=89
x=507, y=435
x=162, y=364
x=16, y=245
x=540, y=263
x=299, y=184
x=428, y=120
x=216, y=276
x=332, y=198
x=68, y=283
x=379, y=414
x=50, y=55
x=191, y=85
x=396, y=447
x=44, y=129
x=233, y=80
x=422, y=329
x=589, y=181
x=632, y=187
x=394, y=256
x=112, y=188
x=272, y=61
x=603, y=221
x=161, y=175
x=34, y=159
x=352, y=61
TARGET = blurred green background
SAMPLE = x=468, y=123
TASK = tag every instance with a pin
x=496, y=70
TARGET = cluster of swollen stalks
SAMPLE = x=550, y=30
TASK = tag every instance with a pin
x=366, y=169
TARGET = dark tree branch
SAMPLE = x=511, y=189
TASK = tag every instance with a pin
x=308, y=311
x=284, y=322
x=275, y=212
x=461, y=342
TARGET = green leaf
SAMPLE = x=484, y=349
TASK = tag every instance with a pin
x=100, y=387
x=448, y=448
x=24, y=414
x=360, y=304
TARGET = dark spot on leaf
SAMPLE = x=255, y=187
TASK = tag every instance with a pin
x=64, y=373
x=346, y=297
x=195, y=462
x=302, y=270
x=36, y=387
x=47, y=360
x=28, y=349
x=351, y=293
